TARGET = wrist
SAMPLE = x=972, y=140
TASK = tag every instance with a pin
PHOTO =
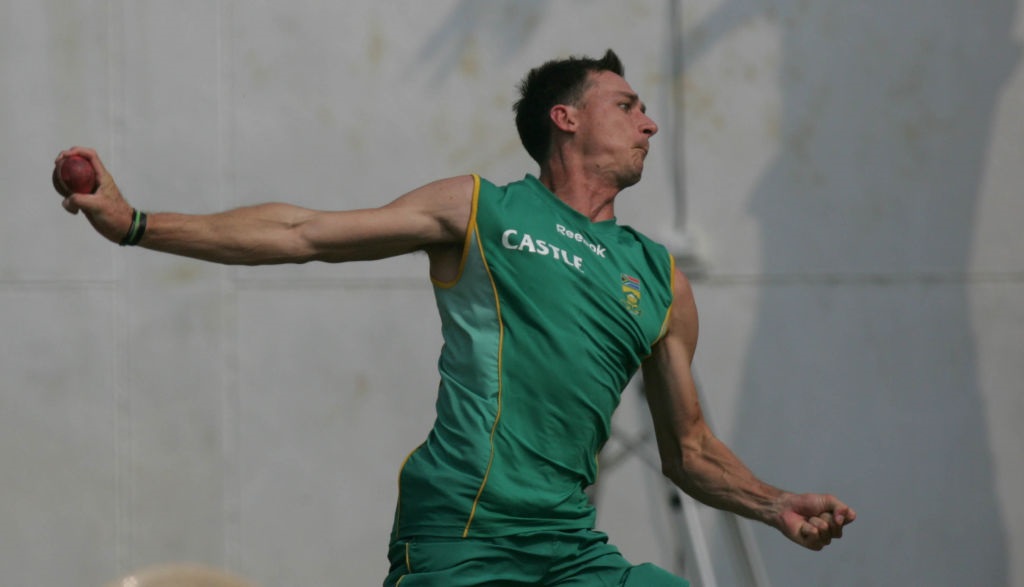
x=136, y=229
x=780, y=510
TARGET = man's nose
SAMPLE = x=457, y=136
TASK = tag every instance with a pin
x=648, y=126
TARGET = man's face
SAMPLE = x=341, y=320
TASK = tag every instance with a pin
x=614, y=129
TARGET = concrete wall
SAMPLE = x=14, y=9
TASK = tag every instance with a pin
x=849, y=173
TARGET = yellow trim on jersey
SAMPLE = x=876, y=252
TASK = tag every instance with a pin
x=501, y=342
x=672, y=288
x=398, y=508
x=470, y=229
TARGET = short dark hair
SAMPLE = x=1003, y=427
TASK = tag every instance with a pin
x=560, y=81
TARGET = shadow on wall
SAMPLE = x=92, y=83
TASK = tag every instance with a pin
x=501, y=26
x=861, y=376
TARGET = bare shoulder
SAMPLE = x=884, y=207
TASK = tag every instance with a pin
x=449, y=188
x=683, y=325
x=447, y=201
x=684, y=306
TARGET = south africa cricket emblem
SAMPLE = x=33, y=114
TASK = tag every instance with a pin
x=631, y=294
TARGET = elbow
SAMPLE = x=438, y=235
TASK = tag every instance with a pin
x=674, y=465
x=292, y=249
x=683, y=457
x=674, y=470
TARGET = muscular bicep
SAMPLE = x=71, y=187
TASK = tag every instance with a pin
x=433, y=215
x=668, y=380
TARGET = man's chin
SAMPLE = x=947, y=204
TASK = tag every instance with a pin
x=630, y=180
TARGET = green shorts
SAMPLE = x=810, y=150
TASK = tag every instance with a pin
x=579, y=558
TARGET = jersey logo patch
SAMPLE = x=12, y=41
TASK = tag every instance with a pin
x=631, y=294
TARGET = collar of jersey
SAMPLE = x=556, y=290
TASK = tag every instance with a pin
x=532, y=179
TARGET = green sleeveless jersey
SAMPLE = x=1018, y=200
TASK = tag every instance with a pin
x=549, y=318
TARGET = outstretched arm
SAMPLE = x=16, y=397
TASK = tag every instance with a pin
x=435, y=214
x=704, y=467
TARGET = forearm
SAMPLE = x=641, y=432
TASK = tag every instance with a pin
x=700, y=464
x=254, y=235
x=710, y=472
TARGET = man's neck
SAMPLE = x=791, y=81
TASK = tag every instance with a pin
x=592, y=196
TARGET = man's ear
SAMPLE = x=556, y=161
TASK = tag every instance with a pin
x=563, y=117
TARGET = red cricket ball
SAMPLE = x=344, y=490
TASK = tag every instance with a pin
x=74, y=175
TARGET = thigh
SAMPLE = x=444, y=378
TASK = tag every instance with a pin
x=648, y=575
x=464, y=563
x=587, y=560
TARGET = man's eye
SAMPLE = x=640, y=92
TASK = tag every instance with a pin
x=625, y=106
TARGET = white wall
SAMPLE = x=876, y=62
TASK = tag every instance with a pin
x=850, y=176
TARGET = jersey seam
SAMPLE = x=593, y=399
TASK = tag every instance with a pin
x=398, y=508
x=497, y=415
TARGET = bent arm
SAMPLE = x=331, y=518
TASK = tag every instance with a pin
x=702, y=465
x=432, y=215
x=692, y=456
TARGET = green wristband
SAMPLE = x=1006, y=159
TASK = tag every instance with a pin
x=135, y=230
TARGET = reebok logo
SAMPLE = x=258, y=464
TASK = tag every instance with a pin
x=597, y=249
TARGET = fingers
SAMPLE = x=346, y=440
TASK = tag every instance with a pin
x=106, y=209
x=69, y=202
x=845, y=514
x=106, y=186
x=841, y=514
x=809, y=538
x=70, y=205
x=817, y=532
x=90, y=155
x=93, y=158
x=831, y=525
x=821, y=518
x=86, y=152
x=838, y=515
